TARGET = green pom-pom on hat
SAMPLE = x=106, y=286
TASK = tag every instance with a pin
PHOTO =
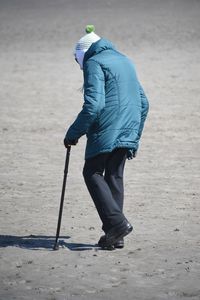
x=89, y=28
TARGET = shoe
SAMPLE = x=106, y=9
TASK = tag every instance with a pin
x=119, y=244
x=115, y=234
x=102, y=243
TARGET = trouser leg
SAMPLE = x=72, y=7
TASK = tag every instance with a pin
x=109, y=210
x=114, y=172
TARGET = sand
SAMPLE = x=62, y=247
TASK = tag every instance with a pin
x=40, y=97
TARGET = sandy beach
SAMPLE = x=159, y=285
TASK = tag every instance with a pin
x=40, y=97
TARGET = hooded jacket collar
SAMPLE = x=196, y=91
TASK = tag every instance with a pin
x=98, y=47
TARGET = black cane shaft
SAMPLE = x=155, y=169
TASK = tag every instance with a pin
x=62, y=198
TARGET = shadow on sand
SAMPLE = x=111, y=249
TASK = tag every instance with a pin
x=41, y=242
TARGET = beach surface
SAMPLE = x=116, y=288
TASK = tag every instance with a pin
x=40, y=96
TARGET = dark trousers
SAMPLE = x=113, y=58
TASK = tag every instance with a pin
x=103, y=176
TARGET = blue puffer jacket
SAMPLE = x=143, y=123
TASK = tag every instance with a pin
x=115, y=106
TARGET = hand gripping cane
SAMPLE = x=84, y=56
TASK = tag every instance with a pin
x=56, y=245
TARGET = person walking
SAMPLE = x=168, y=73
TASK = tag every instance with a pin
x=112, y=117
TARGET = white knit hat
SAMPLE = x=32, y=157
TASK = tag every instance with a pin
x=84, y=44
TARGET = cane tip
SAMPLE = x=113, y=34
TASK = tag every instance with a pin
x=56, y=247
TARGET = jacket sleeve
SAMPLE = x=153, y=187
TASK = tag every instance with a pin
x=94, y=100
x=144, y=110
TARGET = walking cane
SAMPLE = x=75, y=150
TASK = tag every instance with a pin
x=56, y=245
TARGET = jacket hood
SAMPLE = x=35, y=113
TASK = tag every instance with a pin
x=98, y=47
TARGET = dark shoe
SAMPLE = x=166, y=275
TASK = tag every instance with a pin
x=102, y=243
x=119, y=244
x=115, y=234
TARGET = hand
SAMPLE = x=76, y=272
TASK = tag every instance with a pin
x=68, y=142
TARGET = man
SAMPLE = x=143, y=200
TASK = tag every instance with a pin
x=113, y=115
